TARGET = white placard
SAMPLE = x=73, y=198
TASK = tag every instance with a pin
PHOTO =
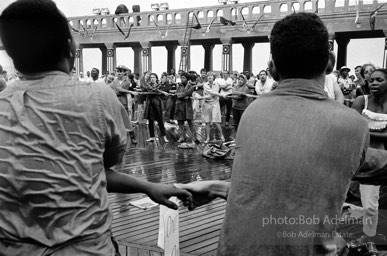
x=169, y=230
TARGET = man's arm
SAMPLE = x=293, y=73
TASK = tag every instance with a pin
x=160, y=193
x=204, y=192
x=339, y=97
x=373, y=170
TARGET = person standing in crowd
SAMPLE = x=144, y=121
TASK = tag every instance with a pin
x=183, y=108
x=250, y=82
x=165, y=86
x=239, y=100
x=172, y=76
x=211, y=107
x=347, y=86
x=225, y=85
x=372, y=107
x=58, y=146
x=140, y=97
x=3, y=83
x=264, y=84
x=95, y=76
x=331, y=87
x=365, y=73
x=359, y=80
x=271, y=176
x=153, y=109
x=124, y=90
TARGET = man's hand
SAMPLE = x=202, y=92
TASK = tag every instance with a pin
x=204, y=192
x=160, y=193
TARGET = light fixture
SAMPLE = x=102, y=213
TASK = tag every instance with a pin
x=222, y=1
x=155, y=7
x=97, y=11
x=164, y=6
x=105, y=11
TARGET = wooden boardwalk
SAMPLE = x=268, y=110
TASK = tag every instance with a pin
x=137, y=230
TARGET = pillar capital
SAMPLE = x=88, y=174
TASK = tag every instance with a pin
x=109, y=45
x=226, y=40
x=146, y=44
x=171, y=47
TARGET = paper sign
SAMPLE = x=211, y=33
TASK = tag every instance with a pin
x=169, y=230
x=144, y=203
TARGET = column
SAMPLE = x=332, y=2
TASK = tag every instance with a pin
x=185, y=60
x=108, y=58
x=137, y=60
x=248, y=56
x=226, y=54
x=342, y=44
x=208, y=58
x=171, y=62
x=146, y=56
x=78, y=62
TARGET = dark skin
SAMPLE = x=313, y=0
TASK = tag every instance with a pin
x=377, y=102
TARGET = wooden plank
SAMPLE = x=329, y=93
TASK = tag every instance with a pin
x=136, y=229
x=122, y=249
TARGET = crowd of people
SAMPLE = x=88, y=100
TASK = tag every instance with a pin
x=302, y=136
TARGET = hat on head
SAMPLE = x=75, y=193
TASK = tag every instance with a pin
x=122, y=67
x=243, y=76
x=344, y=68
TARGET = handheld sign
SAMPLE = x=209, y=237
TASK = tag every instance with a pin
x=169, y=230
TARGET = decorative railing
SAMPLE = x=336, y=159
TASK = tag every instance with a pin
x=235, y=12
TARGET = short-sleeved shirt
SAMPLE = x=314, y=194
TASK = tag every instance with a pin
x=55, y=133
x=289, y=180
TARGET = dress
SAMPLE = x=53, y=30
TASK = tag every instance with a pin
x=56, y=137
x=369, y=194
x=183, y=107
x=287, y=187
x=211, y=106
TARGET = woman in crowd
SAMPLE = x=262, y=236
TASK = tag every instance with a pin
x=239, y=99
x=331, y=87
x=365, y=73
x=153, y=107
x=183, y=107
x=211, y=107
x=374, y=108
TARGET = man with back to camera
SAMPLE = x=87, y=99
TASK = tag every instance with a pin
x=289, y=181
x=59, y=139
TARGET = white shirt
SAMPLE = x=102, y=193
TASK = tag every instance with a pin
x=226, y=84
x=264, y=88
x=330, y=80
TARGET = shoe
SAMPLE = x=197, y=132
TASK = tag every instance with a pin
x=151, y=139
x=133, y=141
x=181, y=140
x=165, y=139
x=222, y=139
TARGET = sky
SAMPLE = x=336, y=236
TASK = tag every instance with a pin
x=359, y=51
